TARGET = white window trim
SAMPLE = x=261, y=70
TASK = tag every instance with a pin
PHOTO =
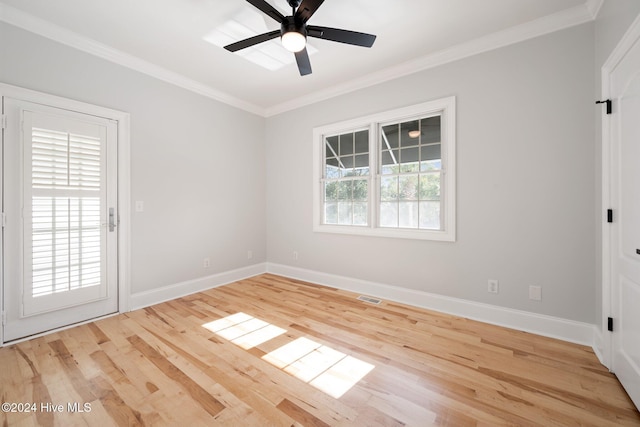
x=446, y=106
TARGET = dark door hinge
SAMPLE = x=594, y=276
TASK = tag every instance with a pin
x=609, y=215
x=608, y=102
x=610, y=324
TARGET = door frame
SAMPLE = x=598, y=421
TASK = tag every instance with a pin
x=123, y=178
x=630, y=38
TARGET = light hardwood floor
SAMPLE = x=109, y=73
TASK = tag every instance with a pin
x=275, y=351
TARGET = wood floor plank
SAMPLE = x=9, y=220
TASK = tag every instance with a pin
x=300, y=415
x=174, y=364
x=208, y=402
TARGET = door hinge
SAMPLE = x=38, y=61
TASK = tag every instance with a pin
x=4, y=121
x=610, y=324
x=609, y=215
x=608, y=102
x=4, y=220
x=4, y=318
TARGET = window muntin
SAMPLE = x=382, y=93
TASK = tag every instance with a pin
x=409, y=180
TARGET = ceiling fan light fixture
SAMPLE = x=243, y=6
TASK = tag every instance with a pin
x=293, y=41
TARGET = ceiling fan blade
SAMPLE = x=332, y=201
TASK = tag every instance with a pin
x=307, y=8
x=242, y=44
x=268, y=9
x=304, y=65
x=341, y=36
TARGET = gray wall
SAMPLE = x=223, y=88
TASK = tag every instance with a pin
x=612, y=22
x=197, y=164
x=526, y=179
x=529, y=209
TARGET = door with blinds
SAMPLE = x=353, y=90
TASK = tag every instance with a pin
x=60, y=235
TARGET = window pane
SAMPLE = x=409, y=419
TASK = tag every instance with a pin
x=360, y=190
x=331, y=191
x=331, y=146
x=408, y=214
x=362, y=164
x=388, y=214
x=347, y=162
x=430, y=215
x=389, y=161
x=344, y=213
x=410, y=133
x=390, y=139
x=331, y=213
x=409, y=159
x=332, y=171
x=430, y=165
x=430, y=152
x=388, y=170
x=430, y=130
x=346, y=144
x=408, y=187
x=389, y=188
x=345, y=190
x=360, y=214
x=362, y=142
x=430, y=186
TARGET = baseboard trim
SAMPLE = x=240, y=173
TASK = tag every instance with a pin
x=167, y=293
x=549, y=326
x=598, y=346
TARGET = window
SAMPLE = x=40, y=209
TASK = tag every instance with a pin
x=390, y=174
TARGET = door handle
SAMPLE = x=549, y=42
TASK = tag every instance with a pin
x=112, y=219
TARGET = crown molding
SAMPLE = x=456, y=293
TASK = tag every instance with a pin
x=56, y=33
x=529, y=30
x=558, y=21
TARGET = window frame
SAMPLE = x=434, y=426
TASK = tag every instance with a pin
x=446, y=108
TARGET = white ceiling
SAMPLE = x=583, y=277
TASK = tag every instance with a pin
x=165, y=38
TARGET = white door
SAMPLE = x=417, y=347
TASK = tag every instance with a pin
x=60, y=236
x=624, y=231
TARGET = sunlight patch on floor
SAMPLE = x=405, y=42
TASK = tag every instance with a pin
x=321, y=366
x=244, y=330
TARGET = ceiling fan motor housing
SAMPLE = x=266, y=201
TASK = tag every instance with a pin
x=290, y=23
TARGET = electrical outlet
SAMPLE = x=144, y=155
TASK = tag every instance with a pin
x=492, y=286
x=207, y=262
x=249, y=254
x=295, y=255
x=535, y=293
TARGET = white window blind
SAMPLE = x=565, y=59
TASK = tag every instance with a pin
x=65, y=211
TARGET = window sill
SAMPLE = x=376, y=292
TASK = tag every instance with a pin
x=398, y=233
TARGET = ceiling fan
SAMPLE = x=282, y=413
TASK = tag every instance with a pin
x=294, y=31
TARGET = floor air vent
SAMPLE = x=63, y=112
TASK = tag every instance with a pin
x=370, y=300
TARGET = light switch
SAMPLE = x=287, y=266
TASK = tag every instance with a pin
x=139, y=206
